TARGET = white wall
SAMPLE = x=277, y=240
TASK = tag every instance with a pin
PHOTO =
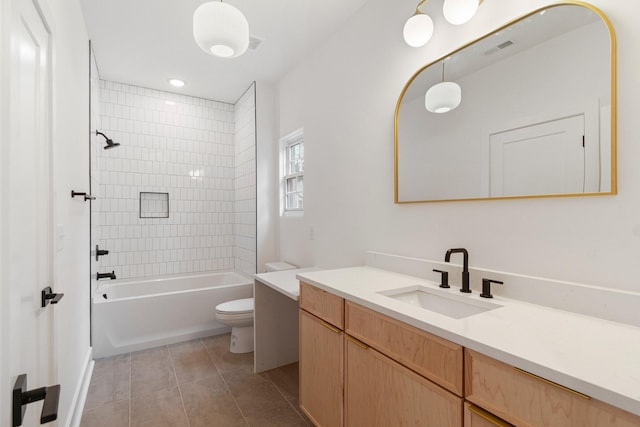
x=71, y=172
x=267, y=174
x=344, y=95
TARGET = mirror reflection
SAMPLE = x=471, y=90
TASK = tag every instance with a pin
x=532, y=115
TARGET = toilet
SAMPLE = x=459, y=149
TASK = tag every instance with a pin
x=239, y=315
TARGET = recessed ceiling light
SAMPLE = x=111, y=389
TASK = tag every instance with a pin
x=176, y=82
x=169, y=102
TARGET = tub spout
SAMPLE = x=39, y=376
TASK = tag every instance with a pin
x=111, y=275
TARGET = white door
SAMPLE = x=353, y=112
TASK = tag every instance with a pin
x=27, y=215
x=545, y=158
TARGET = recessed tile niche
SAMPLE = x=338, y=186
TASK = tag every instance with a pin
x=154, y=205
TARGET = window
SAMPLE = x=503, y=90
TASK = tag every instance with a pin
x=293, y=172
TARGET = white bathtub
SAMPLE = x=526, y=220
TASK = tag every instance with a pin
x=142, y=314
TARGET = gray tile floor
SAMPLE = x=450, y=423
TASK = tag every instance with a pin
x=192, y=384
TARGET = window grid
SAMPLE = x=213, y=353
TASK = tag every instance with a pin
x=294, y=175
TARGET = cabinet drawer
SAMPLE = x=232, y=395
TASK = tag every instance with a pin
x=478, y=417
x=321, y=303
x=381, y=392
x=527, y=400
x=430, y=356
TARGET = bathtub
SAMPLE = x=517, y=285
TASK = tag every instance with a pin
x=134, y=315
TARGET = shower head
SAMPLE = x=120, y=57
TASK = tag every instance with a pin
x=110, y=143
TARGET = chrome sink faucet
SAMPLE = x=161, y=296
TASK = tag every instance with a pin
x=465, y=267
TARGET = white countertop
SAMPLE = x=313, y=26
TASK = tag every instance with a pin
x=284, y=281
x=596, y=357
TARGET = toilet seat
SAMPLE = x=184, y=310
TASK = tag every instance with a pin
x=236, y=307
x=235, y=317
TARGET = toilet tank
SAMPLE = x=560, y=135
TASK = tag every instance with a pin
x=278, y=266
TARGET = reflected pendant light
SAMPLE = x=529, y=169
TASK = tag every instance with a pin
x=418, y=29
x=443, y=97
x=220, y=29
x=458, y=12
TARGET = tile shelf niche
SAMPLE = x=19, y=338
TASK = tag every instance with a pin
x=154, y=205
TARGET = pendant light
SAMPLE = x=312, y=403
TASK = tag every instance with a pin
x=458, y=12
x=443, y=97
x=220, y=29
x=418, y=29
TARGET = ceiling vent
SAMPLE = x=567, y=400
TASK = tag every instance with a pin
x=254, y=43
x=499, y=47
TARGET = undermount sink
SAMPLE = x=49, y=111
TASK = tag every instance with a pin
x=442, y=302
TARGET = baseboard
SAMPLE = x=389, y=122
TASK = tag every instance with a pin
x=80, y=394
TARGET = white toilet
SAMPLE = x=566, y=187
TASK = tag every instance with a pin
x=239, y=315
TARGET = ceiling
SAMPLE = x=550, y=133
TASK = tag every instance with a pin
x=146, y=42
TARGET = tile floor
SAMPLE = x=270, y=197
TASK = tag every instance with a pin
x=192, y=384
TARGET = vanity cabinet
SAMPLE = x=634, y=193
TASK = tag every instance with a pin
x=527, y=400
x=359, y=367
x=321, y=356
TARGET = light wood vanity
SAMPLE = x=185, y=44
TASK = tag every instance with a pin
x=359, y=367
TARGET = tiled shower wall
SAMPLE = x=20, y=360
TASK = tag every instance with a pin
x=172, y=144
x=245, y=183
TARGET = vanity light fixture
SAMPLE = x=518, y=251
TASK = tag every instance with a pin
x=443, y=97
x=220, y=29
x=418, y=29
x=458, y=12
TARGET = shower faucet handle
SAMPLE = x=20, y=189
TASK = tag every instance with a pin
x=100, y=252
x=86, y=196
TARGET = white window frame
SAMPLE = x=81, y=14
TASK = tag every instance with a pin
x=286, y=142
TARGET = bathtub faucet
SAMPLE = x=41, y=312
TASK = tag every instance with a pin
x=111, y=275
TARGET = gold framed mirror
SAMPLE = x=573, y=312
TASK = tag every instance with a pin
x=536, y=114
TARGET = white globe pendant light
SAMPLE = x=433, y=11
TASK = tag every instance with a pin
x=458, y=12
x=443, y=97
x=220, y=29
x=418, y=30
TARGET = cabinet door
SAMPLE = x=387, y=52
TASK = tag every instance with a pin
x=381, y=392
x=321, y=371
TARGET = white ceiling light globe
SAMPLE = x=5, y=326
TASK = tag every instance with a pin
x=418, y=30
x=443, y=97
x=220, y=29
x=458, y=12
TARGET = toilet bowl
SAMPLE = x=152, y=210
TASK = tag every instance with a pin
x=238, y=314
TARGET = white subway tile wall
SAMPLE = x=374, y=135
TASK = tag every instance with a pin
x=172, y=144
x=245, y=183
